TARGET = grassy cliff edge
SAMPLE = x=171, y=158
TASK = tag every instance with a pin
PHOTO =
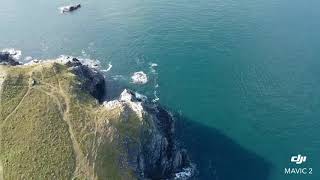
x=53, y=127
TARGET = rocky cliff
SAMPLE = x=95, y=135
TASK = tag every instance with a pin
x=55, y=124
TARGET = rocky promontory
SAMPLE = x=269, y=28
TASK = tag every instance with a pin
x=56, y=124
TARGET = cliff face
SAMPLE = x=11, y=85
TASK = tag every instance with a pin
x=55, y=125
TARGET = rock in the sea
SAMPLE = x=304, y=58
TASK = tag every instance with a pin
x=139, y=78
x=70, y=8
x=60, y=131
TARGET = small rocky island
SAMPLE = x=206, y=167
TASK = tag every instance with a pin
x=55, y=124
x=69, y=8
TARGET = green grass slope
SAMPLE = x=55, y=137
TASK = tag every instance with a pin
x=50, y=128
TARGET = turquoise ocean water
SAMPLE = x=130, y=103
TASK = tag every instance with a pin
x=242, y=75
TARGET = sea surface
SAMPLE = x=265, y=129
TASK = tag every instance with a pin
x=242, y=76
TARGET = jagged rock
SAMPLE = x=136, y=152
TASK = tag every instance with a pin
x=162, y=156
x=94, y=81
x=159, y=156
x=7, y=58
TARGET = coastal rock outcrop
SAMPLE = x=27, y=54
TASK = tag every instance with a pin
x=9, y=57
x=92, y=80
x=139, y=78
x=159, y=156
x=52, y=126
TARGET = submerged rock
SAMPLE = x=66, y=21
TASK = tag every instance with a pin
x=139, y=78
x=71, y=135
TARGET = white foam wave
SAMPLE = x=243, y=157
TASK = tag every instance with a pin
x=28, y=58
x=153, y=64
x=185, y=174
x=109, y=67
x=63, y=59
x=156, y=98
x=139, y=78
x=92, y=63
x=153, y=67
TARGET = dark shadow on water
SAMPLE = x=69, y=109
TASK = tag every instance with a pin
x=217, y=156
x=113, y=88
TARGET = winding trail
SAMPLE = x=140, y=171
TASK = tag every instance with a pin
x=2, y=78
x=1, y=171
x=12, y=112
x=83, y=165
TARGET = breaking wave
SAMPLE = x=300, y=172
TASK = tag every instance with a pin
x=152, y=68
x=153, y=71
x=185, y=174
x=109, y=67
x=139, y=78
